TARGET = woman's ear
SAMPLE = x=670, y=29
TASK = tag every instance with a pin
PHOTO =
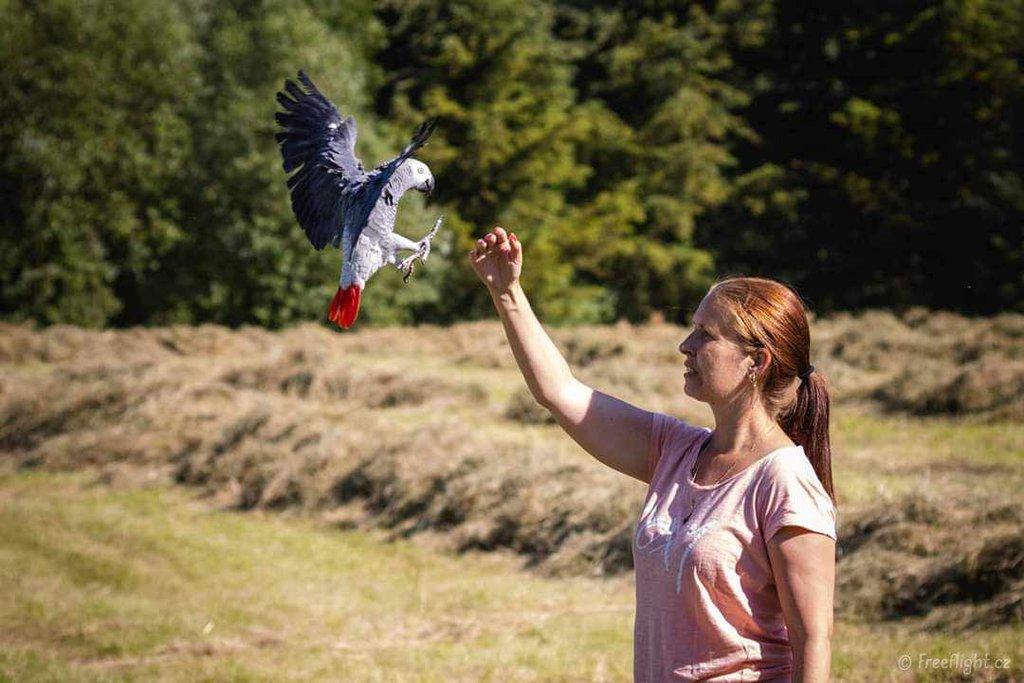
x=762, y=360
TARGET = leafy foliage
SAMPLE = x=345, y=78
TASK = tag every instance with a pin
x=890, y=162
x=865, y=152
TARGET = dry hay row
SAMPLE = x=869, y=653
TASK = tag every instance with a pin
x=287, y=430
x=919, y=363
x=958, y=567
x=290, y=421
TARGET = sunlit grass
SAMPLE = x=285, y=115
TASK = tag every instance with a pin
x=115, y=582
x=871, y=652
x=112, y=584
x=890, y=455
x=104, y=584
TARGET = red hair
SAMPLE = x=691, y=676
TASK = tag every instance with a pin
x=771, y=315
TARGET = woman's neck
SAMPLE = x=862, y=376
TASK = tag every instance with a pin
x=747, y=429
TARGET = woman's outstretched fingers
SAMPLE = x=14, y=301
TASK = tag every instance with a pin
x=498, y=237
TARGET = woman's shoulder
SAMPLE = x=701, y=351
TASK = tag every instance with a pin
x=788, y=475
x=785, y=461
x=672, y=436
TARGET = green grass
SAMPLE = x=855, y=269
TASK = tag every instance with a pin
x=105, y=583
x=885, y=455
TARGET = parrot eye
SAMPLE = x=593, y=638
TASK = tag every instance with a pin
x=420, y=171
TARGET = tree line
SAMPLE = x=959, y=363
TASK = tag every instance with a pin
x=865, y=152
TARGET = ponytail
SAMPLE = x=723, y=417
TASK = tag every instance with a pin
x=806, y=423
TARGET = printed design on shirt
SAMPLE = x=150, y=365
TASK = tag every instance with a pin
x=661, y=533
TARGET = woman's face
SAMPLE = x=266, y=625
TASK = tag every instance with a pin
x=717, y=368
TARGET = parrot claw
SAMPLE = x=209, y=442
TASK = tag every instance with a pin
x=406, y=264
x=422, y=250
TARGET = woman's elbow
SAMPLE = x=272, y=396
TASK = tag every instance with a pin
x=567, y=398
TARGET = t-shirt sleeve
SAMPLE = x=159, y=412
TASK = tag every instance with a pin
x=792, y=495
x=669, y=435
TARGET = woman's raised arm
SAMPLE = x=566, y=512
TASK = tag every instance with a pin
x=613, y=431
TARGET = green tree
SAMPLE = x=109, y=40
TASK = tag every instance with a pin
x=246, y=259
x=866, y=152
x=506, y=143
x=140, y=176
x=94, y=131
x=886, y=172
x=662, y=156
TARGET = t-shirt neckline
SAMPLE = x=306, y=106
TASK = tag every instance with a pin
x=707, y=487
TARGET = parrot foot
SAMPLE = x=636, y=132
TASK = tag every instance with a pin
x=406, y=264
x=422, y=250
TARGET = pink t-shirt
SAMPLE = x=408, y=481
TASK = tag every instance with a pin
x=707, y=607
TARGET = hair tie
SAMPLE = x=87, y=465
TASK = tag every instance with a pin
x=806, y=373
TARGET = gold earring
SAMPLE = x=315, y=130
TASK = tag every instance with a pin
x=753, y=379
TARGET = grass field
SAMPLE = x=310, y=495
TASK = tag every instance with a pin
x=412, y=514
x=146, y=582
x=142, y=583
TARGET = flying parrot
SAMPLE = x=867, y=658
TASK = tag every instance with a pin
x=338, y=202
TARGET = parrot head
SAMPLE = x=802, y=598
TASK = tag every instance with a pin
x=422, y=178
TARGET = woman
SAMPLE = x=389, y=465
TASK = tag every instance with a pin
x=735, y=549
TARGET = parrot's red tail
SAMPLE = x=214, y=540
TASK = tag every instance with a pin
x=345, y=306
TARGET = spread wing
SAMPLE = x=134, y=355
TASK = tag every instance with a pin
x=365, y=196
x=321, y=146
x=419, y=138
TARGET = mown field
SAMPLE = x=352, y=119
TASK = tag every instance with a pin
x=145, y=582
x=402, y=487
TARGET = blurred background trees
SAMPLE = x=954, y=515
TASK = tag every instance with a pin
x=867, y=152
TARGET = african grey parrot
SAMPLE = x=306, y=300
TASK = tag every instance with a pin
x=337, y=202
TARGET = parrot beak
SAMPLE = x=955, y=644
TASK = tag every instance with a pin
x=430, y=188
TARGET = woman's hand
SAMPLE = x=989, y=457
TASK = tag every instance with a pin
x=497, y=260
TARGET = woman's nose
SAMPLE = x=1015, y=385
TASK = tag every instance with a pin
x=685, y=347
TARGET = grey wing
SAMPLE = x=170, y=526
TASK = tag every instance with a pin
x=320, y=147
x=366, y=196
